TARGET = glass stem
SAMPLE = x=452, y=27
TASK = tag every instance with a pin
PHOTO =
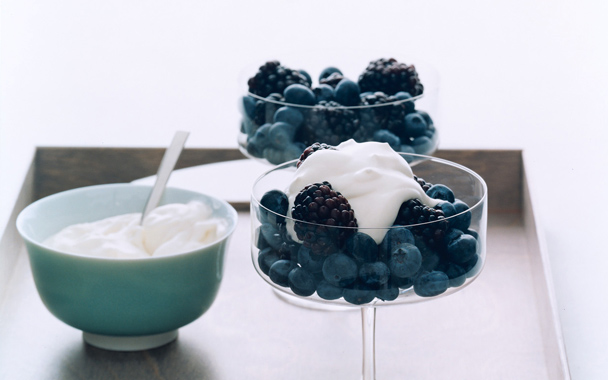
x=368, y=319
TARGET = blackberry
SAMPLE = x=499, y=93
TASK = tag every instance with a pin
x=332, y=79
x=395, y=122
x=390, y=77
x=414, y=212
x=272, y=77
x=265, y=109
x=425, y=185
x=374, y=99
x=323, y=208
x=311, y=149
x=372, y=119
x=383, y=115
x=329, y=122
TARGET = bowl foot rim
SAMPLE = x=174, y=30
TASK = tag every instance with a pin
x=129, y=343
x=311, y=305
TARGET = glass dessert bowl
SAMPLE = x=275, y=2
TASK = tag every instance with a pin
x=284, y=110
x=432, y=246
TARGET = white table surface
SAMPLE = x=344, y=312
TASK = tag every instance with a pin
x=523, y=74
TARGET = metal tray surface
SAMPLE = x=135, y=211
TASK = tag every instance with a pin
x=504, y=326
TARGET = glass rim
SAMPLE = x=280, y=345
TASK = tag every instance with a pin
x=420, y=157
x=358, y=107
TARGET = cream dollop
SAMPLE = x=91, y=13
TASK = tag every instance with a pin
x=167, y=230
x=373, y=177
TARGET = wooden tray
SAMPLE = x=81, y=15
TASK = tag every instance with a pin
x=505, y=326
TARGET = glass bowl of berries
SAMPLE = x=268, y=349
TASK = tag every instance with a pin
x=353, y=226
x=284, y=110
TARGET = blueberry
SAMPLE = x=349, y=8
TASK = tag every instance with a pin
x=374, y=275
x=328, y=71
x=271, y=235
x=279, y=272
x=289, y=250
x=289, y=115
x=358, y=296
x=439, y=191
x=266, y=258
x=431, y=284
x=281, y=134
x=472, y=267
x=451, y=235
x=347, y=93
x=328, y=291
x=299, y=94
x=260, y=242
x=447, y=208
x=248, y=104
x=394, y=237
x=301, y=282
x=430, y=257
x=383, y=135
x=388, y=294
x=362, y=247
x=422, y=145
x=405, y=260
x=324, y=92
x=306, y=75
x=415, y=126
x=462, y=249
x=275, y=201
x=402, y=283
x=473, y=233
x=339, y=270
x=265, y=109
x=310, y=261
x=259, y=141
x=293, y=151
x=426, y=117
x=462, y=221
x=406, y=149
x=456, y=274
x=403, y=95
x=407, y=104
x=248, y=126
x=275, y=156
x=430, y=261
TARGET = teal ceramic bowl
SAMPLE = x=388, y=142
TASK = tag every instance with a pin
x=121, y=304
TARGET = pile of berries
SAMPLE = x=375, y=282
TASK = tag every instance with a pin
x=427, y=250
x=283, y=112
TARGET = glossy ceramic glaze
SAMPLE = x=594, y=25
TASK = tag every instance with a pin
x=121, y=297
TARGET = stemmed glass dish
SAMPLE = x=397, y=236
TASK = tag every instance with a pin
x=404, y=264
x=277, y=127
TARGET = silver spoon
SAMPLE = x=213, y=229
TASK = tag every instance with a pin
x=164, y=171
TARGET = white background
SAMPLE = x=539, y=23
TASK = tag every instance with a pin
x=529, y=74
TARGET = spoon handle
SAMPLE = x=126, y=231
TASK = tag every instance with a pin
x=164, y=171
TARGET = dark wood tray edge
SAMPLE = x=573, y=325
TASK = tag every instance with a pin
x=58, y=169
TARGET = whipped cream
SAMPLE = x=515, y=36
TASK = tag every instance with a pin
x=167, y=230
x=373, y=177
